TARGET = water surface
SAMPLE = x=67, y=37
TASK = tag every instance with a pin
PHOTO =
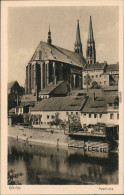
x=47, y=164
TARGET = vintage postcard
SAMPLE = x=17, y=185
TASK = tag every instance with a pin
x=62, y=97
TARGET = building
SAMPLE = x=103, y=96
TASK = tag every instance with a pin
x=15, y=91
x=61, y=88
x=15, y=88
x=94, y=72
x=103, y=74
x=100, y=110
x=113, y=70
x=50, y=63
x=65, y=107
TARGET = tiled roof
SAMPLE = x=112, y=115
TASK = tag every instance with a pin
x=60, y=104
x=28, y=98
x=97, y=106
x=52, y=52
x=112, y=67
x=96, y=66
x=111, y=99
x=111, y=88
x=10, y=85
x=50, y=88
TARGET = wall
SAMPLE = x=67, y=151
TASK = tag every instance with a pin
x=104, y=119
x=44, y=96
x=63, y=115
x=93, y=77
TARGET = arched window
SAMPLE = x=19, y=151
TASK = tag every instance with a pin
x=90, y=51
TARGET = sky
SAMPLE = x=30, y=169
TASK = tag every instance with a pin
x=27, y=26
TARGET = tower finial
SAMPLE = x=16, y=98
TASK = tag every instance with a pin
x=78, y=44
x=49, y=40
x=91, y=51
x=90, y=36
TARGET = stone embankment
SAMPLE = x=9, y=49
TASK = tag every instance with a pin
x=57, y=137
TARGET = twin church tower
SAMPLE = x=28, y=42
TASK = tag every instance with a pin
x=91, y=51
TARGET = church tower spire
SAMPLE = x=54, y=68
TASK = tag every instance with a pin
x=78, y=44
x=91, y=51
x=49, y=40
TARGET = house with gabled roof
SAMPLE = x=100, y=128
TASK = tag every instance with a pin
x=101, y=110
x=65, y=107
x=54, y=89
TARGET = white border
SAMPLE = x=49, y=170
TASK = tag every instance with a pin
x=56, y=189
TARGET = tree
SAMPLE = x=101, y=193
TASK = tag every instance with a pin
x=26, y=117
x=87, y=80
x=12, y=177
x=74, y=123
x=95, y=85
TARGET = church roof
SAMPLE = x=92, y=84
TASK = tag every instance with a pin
x=45, y=51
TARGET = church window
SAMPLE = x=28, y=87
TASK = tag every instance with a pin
x=88, y=51
x=40, y=55
x=91, y=60
x=91, y=51
x=117, y=116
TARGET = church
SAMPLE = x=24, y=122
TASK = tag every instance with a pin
x=51, y=64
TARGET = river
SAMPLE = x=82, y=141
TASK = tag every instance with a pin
x=48, y=164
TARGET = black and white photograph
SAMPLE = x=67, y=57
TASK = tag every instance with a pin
x=64, y=82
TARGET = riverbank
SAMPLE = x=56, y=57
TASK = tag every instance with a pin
x=58, y=138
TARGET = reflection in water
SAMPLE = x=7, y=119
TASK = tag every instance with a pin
x=51, y=165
